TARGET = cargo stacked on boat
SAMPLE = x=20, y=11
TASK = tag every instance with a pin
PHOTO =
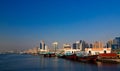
x=108, y=56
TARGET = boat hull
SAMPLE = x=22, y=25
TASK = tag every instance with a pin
x=71, y=57
x=49, y=55
x=91, y=58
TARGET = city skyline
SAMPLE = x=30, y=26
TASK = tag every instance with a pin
x=24, y=23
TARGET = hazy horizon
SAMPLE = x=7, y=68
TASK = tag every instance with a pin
x=23, y=23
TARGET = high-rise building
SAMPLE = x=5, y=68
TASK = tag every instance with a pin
x=90, y=46
x=46, y=47
x=55, y=45
x=42, y=45
x=109, y=44
x=76, y=45
x=116, y=43
x=98, y=44
x=81, y=45
x=84, y=45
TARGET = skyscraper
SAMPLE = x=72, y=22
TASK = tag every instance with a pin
x=109, y=44
x=98, y=44
x=91, y=45
x=116, y=43
x=42, y=45
x=55, y=45
x=76, y=45
x=81, y=45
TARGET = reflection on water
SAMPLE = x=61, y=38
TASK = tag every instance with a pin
x=57, y=64
x=39, y=63
x=108, y=66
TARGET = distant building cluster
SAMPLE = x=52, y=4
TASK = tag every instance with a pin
x=98, y=48
x=32, y=51
x=81, y=45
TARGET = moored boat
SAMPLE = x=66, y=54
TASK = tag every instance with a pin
x=71, y=57
x=90, y=58
x=49, y=55
x=60, y=55
x=109, y=58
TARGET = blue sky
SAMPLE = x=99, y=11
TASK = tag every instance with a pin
x=23, y=23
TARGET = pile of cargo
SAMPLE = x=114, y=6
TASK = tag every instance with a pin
x=108, y=56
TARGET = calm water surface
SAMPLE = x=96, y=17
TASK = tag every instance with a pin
x=14, y=62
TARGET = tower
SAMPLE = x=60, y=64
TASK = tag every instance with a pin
x=55, y=45
x=42, y=45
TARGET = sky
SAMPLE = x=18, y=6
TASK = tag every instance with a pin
x=24, y=23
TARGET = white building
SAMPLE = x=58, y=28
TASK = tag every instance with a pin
x=68, y=49
x=43, y=47
x=97, y=49
x=55, y=46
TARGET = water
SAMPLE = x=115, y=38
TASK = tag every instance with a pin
x=15, y=62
